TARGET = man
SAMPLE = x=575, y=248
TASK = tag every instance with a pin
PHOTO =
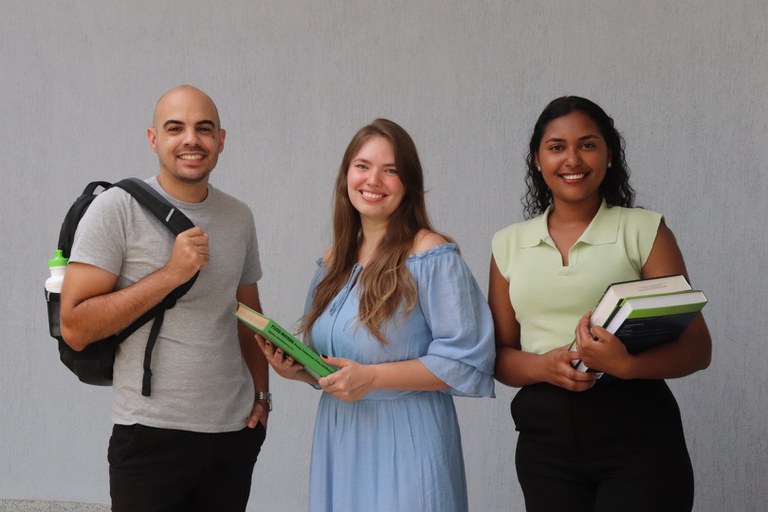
x=192, y=444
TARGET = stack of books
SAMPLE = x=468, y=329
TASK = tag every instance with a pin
x=646, y=313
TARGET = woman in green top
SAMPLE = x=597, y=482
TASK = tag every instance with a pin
x=586, y=444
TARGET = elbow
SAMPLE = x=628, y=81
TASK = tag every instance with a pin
x=507, y=378
x=73, y=328
x=705, y=361
x=74, y=341
x=704, y=345
x=705, y=353
x=73, y=337
x=701, y=362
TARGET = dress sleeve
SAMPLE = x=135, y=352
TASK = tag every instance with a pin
x=462, y=351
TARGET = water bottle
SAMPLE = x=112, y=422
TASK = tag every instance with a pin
x=57, y=266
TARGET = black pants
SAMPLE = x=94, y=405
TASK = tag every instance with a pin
x=617, y=447
x=154, y=469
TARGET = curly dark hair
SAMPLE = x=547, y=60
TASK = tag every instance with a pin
x=615, y=188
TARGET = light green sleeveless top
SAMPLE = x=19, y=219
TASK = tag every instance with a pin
x=549, y=298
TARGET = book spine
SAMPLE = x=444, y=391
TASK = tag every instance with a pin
x=286, y=337
x=665, y=311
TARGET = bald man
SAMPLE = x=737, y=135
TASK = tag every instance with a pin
x=193, y=443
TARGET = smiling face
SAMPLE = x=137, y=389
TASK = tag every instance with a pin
x=373, y=184
x=573, y=158
x=186, y=135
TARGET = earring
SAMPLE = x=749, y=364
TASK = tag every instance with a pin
x=609, y=165
x=539, y=168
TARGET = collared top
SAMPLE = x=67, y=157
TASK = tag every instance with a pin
x=549, y=297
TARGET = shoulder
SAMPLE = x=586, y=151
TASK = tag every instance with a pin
x=533, y=225
x=665, y=257
x=665, y=238
x=426, y=240
x=636, y=223
x=326, y=256
x=636, y=229
x=510, y=231
x=520, y=234
x=229, y=202
x=664, y=235
x=109, y=204
x=639, y=216
x=111, y=197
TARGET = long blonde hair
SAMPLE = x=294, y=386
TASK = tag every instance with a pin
x=385, y=281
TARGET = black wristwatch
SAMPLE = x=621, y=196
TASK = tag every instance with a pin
x=265, y=396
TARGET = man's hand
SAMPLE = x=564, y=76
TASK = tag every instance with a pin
x=189, y=254
x=259, y=413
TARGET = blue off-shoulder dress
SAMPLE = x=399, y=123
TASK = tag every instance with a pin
x=400, y=451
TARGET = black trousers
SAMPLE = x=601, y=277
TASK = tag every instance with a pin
x=619, y=446
x=154, y=469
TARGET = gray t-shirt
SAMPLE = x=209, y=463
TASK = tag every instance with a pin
x=200, y=381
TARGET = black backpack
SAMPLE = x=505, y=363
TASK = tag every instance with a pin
x=93, y=365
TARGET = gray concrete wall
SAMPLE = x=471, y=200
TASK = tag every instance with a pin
x=687, y=82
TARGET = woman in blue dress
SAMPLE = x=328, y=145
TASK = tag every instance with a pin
x=395, y=307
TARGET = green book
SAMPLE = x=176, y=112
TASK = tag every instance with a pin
x=283, y=339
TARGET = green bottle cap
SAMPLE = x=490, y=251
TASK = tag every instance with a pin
x=58, y=259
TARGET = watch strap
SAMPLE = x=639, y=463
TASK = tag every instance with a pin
x=265, y=396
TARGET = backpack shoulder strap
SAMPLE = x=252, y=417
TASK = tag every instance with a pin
x=75, y=213
x=177, y=223
x=160, y=207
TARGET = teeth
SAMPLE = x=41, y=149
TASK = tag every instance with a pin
x=574, y=176
x=191, y=157
x=370, y=195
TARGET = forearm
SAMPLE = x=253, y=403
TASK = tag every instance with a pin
x=409, y=375
x=252, y=355
x=254, y=358
x=690, y=353
x=106, y=314
x=306, y=378
x=517, y=368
